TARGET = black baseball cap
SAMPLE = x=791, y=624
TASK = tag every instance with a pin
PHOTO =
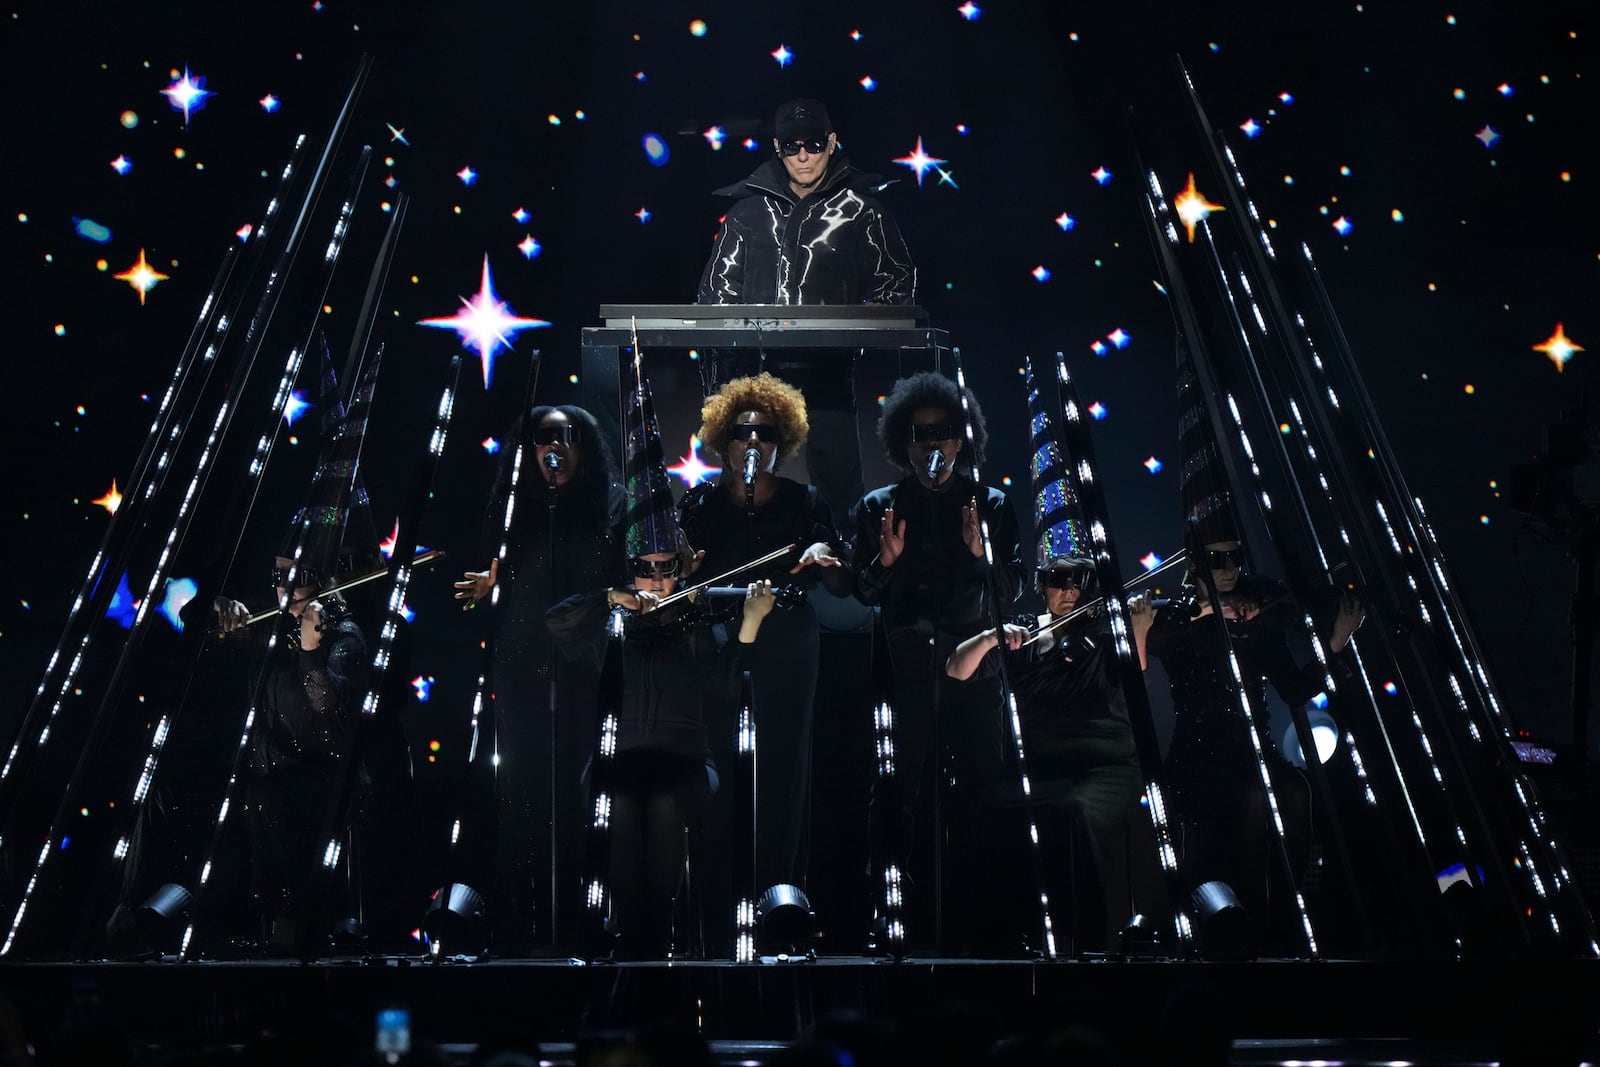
x=800, y=120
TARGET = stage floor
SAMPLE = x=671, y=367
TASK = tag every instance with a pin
x=1273, y=1011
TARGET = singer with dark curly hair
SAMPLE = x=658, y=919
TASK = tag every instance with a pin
x=919, y=556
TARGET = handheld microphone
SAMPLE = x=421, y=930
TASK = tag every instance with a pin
x=752, y=460
x=936, y=465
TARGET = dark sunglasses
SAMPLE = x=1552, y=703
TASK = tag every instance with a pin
x=557, y=435
x=811, y=145
x=1066, y=578
x=935, y=431
x=1232, y=558
x=762, y=431
x=657, y=568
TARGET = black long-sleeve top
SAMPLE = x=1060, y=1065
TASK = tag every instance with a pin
x=936, y=585
x=309, y=700
x=730, y=535
x=674, y=663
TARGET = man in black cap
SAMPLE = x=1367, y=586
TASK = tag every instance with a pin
x=807, y=229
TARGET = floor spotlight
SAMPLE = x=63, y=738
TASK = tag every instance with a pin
x=349, y=937
x=783, y=922
x=1140, y=940
x=454, y=923
x=159, y=920
x=1324, y=731
x=1223, y=925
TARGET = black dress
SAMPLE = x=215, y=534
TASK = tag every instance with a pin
x=783, y=662
x=562, y=542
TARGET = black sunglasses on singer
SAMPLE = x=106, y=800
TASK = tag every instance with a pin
x=810, y=144
x=761, y=430
x=557, y=435
x=1225, y=559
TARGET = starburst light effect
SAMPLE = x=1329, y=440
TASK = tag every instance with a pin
x=142, y=276
x=187, y=94
x=1558, y=348
x=1192, y=207
x=693, y=469
x=484, y=323
x=112, y=500
x=919, y=161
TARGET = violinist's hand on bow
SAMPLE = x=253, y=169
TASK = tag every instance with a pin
x=971, y=533
x=475, y=585
x=230, y=614
x=641, y=600
x=1141, y=614
x=818, y=555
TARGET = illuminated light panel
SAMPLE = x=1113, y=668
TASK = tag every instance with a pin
x=1559, y=348
x=1041, y=273
x=269, y=103
x=1098, y=411
x=296, y=406
x=484, y=323
x=1488, y=136
x=467, y=175
x=714, y=136
x=187, y=94
x=122, y=164
x=1065, y=221
x=782, y=55
x=692, y=469
x=1119, y=337
x=112, y=500
x=643, y=214
x=1101, y=175
x=969, y=11
x=655, y=149
x=1192, y=207
x=1343, y=225
x=529, y=247
x=490, y=445
x=1150, y=561
x=1153, y=465
x=918, y=161
x=142, y=276
x=1251, y=128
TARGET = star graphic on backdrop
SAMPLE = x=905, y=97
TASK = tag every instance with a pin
x=122, y=164
x=484, y=323
x=112, y=500
x=187, y=94
x=1251, y=127
x=714, y=137
x=397, y=135
x=268, y=103
x=529, y=247
x=1559, y=348
x=643, y=214
x=782, y=55
x=1192, y=207
x=142, y=276
x=1488, y=136
x=919, y=161
x=386, y=546
x=295, y=406
x=693, y=469
x=467, y=175
x=1101, y=175
x=970, y=11
x=947, y=176
x=1065, y=221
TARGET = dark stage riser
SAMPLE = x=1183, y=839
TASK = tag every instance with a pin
x=1501, y=1003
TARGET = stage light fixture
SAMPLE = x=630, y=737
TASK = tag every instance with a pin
x=783, y=922
x=1324, y=731
x=1223, y=925
x=455, y=922
x=160, y=920
x=349, y=936
x=1140, y=939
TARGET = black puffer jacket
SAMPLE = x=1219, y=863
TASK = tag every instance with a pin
x=837, y=246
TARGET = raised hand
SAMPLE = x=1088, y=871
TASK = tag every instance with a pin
x=475, y=585
x=818, y=555
x=970, y=531
x=891, y=538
